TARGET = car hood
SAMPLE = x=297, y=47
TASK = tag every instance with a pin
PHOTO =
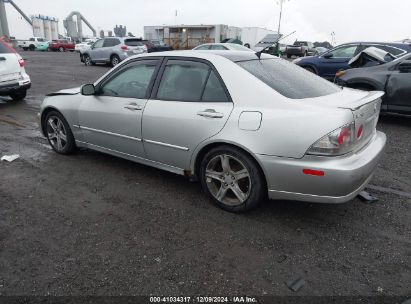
x=73, y=91
x=347, y=99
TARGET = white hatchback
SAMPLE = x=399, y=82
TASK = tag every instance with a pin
x=14, y=81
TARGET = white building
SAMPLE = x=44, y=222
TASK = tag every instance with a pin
x=189, y=36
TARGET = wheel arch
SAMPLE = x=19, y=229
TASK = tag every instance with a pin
x=199, y=155
x=311, y=66
x=43, y=115
x=363, y=83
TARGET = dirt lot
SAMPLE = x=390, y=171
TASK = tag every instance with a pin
x=92, y=224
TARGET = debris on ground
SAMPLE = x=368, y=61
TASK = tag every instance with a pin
x=296, y=285
x=10, y=158
x=368, y=198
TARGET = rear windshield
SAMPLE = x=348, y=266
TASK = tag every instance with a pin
x=134, y=42
x=289, y=79
x=4, y=49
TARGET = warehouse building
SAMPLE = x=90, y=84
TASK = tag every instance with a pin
x=186, y=37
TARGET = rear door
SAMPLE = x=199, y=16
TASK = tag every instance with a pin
x=9, y=64
x=189, y=104
x=107, y=49
x=398, y=89
x=336, y=60
x=111, y=119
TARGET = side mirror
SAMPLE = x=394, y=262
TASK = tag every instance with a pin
x=328, y=55
x=88, y=90
x=405, y=66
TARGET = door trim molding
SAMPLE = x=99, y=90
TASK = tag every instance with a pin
x=166, y=145
x=108, y=133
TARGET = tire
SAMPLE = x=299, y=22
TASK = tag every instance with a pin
x=32, y=47
x=288, y=56
x=242, y=175
x=310, y=69
x=114, y=60
x=18, y=96
x=61, y=49
x=305, y=54
x=25, y=49
x=88, y=61
x=58, y=133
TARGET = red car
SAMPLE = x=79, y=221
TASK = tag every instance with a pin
x=61, y=46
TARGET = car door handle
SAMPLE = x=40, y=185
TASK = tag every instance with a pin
x=210, y=113
x=133, y=107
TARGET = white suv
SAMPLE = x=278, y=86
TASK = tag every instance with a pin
x=14, y=81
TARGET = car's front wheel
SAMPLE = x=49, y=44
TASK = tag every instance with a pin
x=87, y=60
x=114, y=60
x=18, y=96
x=61, y=49
x=58, y=133
x=232, y=179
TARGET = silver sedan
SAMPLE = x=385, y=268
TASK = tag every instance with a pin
x=247, y=128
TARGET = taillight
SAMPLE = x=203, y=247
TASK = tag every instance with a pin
x=360, y=132
x=21, y=61
x=338, y=142
x=145, y=47
x=124, y=48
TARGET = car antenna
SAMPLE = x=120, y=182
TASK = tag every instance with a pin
x=267, y=47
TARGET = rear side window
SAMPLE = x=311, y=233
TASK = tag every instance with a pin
x=203, y=47
x=392, y=50
x=4, y=49
x=190, y=81
x=111, y=42
x=289, y=79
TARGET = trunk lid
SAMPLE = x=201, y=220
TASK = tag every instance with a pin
x=9, y=67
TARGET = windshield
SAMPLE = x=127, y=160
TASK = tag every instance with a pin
x=289, y=79
x=300, y=43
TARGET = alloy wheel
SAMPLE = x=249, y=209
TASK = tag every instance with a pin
x=228, y=180
x=56, y=133
x=114, y=61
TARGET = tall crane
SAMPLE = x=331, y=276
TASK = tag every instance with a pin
x=4, y=26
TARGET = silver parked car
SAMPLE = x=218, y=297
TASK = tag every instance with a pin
x=222, y=47
x=112, y=50
x=244, y=127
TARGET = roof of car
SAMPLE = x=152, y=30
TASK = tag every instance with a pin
x=234, y=56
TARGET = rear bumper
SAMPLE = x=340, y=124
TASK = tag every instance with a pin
x=345, y=177
x=15, y=86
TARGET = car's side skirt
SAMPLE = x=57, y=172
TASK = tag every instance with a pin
x=133, y=158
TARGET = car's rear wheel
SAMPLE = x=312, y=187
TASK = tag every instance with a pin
x=232, y=179
x=288, y=56
x=87, y=60
x=58, y=133
x=61, y=49
x=18, y=96
x=114, y=60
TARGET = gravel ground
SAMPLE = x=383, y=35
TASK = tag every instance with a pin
x=92, y=224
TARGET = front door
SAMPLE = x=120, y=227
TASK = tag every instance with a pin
x=112, y=118
x=336, y=60
x=190, y=104
x=95, y=52
x=399, y=89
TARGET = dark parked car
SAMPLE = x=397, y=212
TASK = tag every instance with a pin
x=300, y=48
x=157, y=46
x=328, y=64
x=393, y=77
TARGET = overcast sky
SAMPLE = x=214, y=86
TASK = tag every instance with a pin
x=314, y=20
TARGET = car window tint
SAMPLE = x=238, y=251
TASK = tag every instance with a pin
x=98, y=44
x=133, y=42
x=344, y=52
x=203, y=47
x=214, y=91
x=218, y=47
x=4, y=49
x=132, y=82
x=183, y=81
x=289, y=79
x=111, y=42
x=392, y=50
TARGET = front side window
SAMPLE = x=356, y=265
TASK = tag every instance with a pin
x=289, y=79
x=4, y=49
x=344, y=52
x=98, y=44
x=132, y=82
x=203, y=48
x=190, y=81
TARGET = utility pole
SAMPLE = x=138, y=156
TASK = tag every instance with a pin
x=4, y=27
x=280, y=2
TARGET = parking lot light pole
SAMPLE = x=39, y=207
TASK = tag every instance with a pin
x=280, y=2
